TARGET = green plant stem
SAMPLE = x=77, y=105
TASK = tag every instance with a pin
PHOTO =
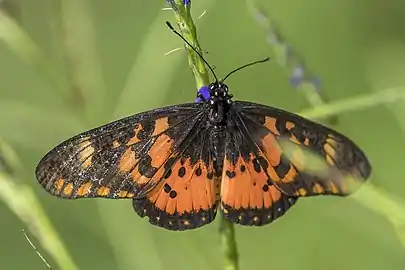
x=22, y=201
x=385, y=204
x=229, y=245
x=188, y=30
x=360, y=102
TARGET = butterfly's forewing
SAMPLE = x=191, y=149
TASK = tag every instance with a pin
x=346, y=163
x=248, y=195
x=187, y=196
x=123, y=159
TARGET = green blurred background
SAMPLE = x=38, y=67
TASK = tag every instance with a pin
x=354, y=47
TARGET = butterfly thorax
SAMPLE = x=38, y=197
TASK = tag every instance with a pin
x=220, y=104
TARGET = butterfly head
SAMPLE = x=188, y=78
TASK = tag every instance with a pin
x=219, y=101
x=215, y=92
x=219, y=91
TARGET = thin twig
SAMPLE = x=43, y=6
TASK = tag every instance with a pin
x=361, y=102
x=36, y=250
x=172, y=51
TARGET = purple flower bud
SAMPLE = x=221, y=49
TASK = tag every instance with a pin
x=297, y=76
x=203, y=94
x=186, y=2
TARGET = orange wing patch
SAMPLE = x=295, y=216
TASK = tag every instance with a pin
x=86, y=153
x=161, y=125
x=186, y=198
x=67, y=191
x=248, y=196
x=59, y=184
x=84, y=189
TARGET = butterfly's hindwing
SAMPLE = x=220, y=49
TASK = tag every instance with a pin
x=248, y=195
x=345, y=161
x=186, y=198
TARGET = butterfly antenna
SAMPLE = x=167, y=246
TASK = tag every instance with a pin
x=247, y=65
x=194, y=49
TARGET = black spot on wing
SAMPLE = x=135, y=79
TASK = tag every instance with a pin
x=148, y=127
x=283, y=168
x=145, y=167
x=182, y=172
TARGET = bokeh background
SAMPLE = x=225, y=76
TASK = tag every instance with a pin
x=354, y=47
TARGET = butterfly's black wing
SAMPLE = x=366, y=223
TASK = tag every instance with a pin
x=122, y=159
x=345, y=162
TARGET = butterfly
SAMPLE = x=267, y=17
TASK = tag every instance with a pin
x=181, y=163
